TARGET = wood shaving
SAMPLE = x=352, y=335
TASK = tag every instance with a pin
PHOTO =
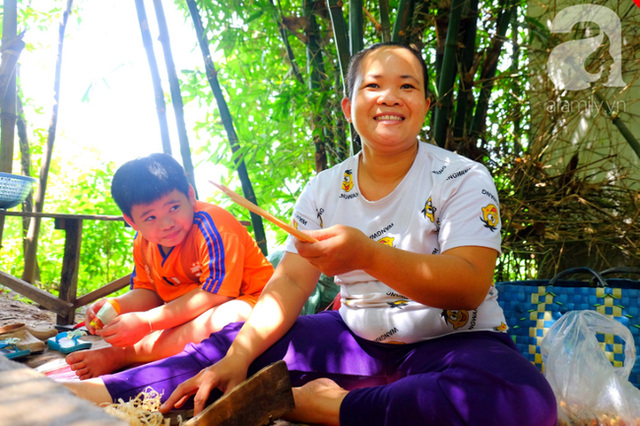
x=143, y=410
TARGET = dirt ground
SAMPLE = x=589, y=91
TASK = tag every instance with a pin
x=15, y=311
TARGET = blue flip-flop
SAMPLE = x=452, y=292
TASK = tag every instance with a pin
x=9, y=349
x=68, y=341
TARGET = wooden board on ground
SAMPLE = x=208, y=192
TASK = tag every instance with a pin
x=28, y=398
x=255, y=402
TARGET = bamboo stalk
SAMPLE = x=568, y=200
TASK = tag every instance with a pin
x=176, y=95
x=8, y=94
x=615, y=118
x=356, y=26
x=240, y=200
x=489, y=68
x=227, y=122
x=341, y=38
x=285, y=40
x=447, y=75
x=316, y=71
x=464, y=100
x=161, y=108
x=400, y=23
x=384, y=20
x=30, y=257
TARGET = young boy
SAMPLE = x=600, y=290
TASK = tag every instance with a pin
x=197, y=269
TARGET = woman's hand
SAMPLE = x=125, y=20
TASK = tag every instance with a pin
x=126, y=329
x=340, y=249
x=226, y=374
x=91, y=314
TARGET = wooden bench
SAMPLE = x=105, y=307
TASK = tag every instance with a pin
x=67, y=302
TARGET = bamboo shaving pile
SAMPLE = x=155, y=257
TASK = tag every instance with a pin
x=143, y=410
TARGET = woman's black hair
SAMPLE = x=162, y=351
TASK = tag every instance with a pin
x=147, y=179
x=356, y=60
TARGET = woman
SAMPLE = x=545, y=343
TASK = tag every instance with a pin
x=411, y=233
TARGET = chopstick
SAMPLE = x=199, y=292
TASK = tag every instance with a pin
x=239, y=199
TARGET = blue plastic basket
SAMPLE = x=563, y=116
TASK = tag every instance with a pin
x=14, y=189
x=531, y=307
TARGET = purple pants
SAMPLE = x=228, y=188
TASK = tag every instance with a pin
x=473, y=378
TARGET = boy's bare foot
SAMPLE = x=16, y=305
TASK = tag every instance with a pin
x=318, y=402
x=96, y=362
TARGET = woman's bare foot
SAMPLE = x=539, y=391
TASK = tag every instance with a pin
x=96, y=362
x=318, y=402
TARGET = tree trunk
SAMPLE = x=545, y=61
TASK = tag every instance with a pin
x=34, y=227
x=225, y=115
x=176, y=95
x=8, y=93
x=161, y=108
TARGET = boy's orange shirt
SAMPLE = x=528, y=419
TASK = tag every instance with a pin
x=218, y=255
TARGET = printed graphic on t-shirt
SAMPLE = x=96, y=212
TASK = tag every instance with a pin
x=386, y=335
x=502, y=328
x=399, y=304
x=387, y=241
x=456, y=317
x=148, y=271
x=490, y=217
x=347, y=181
x=173, y=281
x=196, y=269
x=429, y=211
x=320, y=212
x=490, y=195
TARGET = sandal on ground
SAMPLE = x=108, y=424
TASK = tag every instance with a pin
x=68, y=341
x=25, y=340
x=40, y=332
x=9, y=348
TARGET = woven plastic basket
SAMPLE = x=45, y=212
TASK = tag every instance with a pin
x=14, y=189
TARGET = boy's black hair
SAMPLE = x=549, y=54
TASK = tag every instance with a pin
x=147, y=179
x=356, y=60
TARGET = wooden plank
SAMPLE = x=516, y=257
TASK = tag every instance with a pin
x=61, y=215
x=48, y=301
x=28, y=398
x=255, y=402
x=103, y=291
x=70, y=265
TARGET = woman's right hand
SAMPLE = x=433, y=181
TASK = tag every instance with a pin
x=91, y=314
x=226, y=374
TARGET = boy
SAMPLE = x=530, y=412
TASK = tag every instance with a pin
x=197, y=269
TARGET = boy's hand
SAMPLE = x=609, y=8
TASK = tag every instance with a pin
x=225, y=375
x=91, y=314
x=125, y=329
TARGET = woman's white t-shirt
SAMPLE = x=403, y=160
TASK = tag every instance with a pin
x=444, y=201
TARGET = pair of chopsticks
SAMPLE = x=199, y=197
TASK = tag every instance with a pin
x=240, y=200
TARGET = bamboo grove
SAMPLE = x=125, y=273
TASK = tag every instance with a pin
x=563, y=203
x=272, y=79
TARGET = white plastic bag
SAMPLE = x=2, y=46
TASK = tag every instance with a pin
x=588, y=389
